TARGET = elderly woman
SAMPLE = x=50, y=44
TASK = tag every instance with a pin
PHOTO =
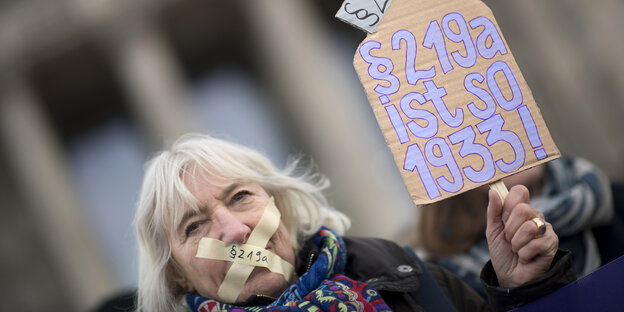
x=220, y=228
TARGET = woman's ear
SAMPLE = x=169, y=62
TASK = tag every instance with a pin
x=176, y=275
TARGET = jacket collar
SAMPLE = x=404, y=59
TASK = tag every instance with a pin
x=377, y=262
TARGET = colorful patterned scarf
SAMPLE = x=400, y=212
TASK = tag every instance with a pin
x=322, y=288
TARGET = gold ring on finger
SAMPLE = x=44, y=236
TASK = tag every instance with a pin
x=541, y=226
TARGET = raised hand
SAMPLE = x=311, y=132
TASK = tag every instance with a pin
x=519, y=252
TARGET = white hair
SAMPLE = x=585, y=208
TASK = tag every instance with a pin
x=164, y=196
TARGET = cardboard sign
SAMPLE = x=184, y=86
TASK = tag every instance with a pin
x=449, y=98
x=363, y=14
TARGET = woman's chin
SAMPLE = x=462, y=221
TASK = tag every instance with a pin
x=263, y=282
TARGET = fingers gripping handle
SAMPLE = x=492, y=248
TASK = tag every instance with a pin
x=501, y=189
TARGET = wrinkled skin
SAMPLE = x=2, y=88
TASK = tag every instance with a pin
x=229, y=211
x=518, y=253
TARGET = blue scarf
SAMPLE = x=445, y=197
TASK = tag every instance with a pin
x=323, y=287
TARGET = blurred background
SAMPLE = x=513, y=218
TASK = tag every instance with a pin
x=91, y=89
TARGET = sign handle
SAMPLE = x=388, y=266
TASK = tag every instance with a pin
x=500, y=188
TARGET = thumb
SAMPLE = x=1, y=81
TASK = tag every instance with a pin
x=494, y=213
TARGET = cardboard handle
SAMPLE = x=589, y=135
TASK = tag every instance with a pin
x=500, y=188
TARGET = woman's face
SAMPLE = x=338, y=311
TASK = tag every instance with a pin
x=229, y=211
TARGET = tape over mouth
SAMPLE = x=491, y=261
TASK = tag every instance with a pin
x=245, y=257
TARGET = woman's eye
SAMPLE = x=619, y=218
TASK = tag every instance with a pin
x=240, y=196
x=191, y=228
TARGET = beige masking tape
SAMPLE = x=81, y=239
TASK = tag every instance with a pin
x=241, y=268
x=234, y=281
x=238, y=273
x=244, y=254
x=266, y=227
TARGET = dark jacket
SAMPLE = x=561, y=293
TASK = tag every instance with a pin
x=395, y=273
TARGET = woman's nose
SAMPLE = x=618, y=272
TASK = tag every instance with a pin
x=230, y=228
